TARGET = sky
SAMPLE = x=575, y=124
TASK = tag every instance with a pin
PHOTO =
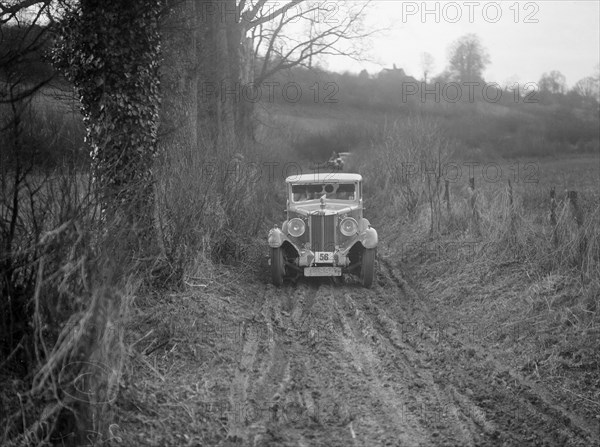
x=523, y=38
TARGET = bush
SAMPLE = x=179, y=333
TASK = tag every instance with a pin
x=63, y=297
x=51, y=134
x=403, y=171
x=211, y=207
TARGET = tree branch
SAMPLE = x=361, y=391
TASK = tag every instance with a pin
x=323, y=42
x=269, y=17
x=12, y=10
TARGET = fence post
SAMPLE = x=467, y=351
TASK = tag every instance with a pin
x=576, y=210
x=553, y=221
x=472, y=200
x=553, y=206
x=578, y=215
x=447, y=196
x=511, y=208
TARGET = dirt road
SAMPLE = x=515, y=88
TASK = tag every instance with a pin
x=329, y=363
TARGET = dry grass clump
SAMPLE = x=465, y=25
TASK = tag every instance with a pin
x=70, y=281
x=211, y=206
x=63, y=299
x=517, y=282
x=501, y=255
x=509, y=222
x=51, y=132
x=404, y=169
x=566, y=242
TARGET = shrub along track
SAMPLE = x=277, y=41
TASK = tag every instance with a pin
x=328, y=363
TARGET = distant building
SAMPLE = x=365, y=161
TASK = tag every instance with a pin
x=395, y=74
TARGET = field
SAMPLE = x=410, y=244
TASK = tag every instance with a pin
x=527, y=302
x=147, y=295
x=469, y=337
x=482, y=326
x=454, y=345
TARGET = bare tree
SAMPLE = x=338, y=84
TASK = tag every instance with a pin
x=330, y=28
x=416, y=151
x=23, y=36
x=21, y=41
x=15, y=9
x=588, y=88
x=553, y=82
x=404, y=158
x=468, y=59
x=239, y=44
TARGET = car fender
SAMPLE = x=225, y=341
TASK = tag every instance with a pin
x=369, y=238
x=276, y=238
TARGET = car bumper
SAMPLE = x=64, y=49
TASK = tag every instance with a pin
x=322, y=271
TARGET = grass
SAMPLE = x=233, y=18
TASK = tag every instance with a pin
x=51, y=131
x=525, y=288
x=59, y=301
x=78, y=301
x=68, y=287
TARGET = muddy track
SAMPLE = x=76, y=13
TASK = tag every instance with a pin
x=342, y=365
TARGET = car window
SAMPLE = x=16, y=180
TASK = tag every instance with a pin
x=346, y=191
x=338, y=191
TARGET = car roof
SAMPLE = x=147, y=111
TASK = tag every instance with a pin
x=324, y=177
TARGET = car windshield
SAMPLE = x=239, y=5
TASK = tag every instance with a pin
x=314, y=191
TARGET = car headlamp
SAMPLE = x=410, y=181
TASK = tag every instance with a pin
x=349, y=226
x=296, y=227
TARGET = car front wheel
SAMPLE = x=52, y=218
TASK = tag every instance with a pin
x=367, y=271
x=277, y=266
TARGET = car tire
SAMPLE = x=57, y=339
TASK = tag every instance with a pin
x=367, y=270
x=277, y=266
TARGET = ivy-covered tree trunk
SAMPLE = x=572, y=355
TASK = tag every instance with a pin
x=179, y=84
x=110, y=50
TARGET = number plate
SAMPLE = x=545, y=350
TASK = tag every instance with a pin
x=322, y=271
x=323, y=257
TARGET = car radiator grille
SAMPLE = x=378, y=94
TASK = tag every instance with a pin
x=322, y=232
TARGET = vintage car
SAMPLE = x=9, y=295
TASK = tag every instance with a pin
x=325, y=233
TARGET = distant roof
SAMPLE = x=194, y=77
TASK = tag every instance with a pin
x=324, y=177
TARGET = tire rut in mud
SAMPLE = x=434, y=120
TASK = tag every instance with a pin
x=338, y=374
x=258, y=393
x=493, y=398
x=390, y=316
x=341, y=365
